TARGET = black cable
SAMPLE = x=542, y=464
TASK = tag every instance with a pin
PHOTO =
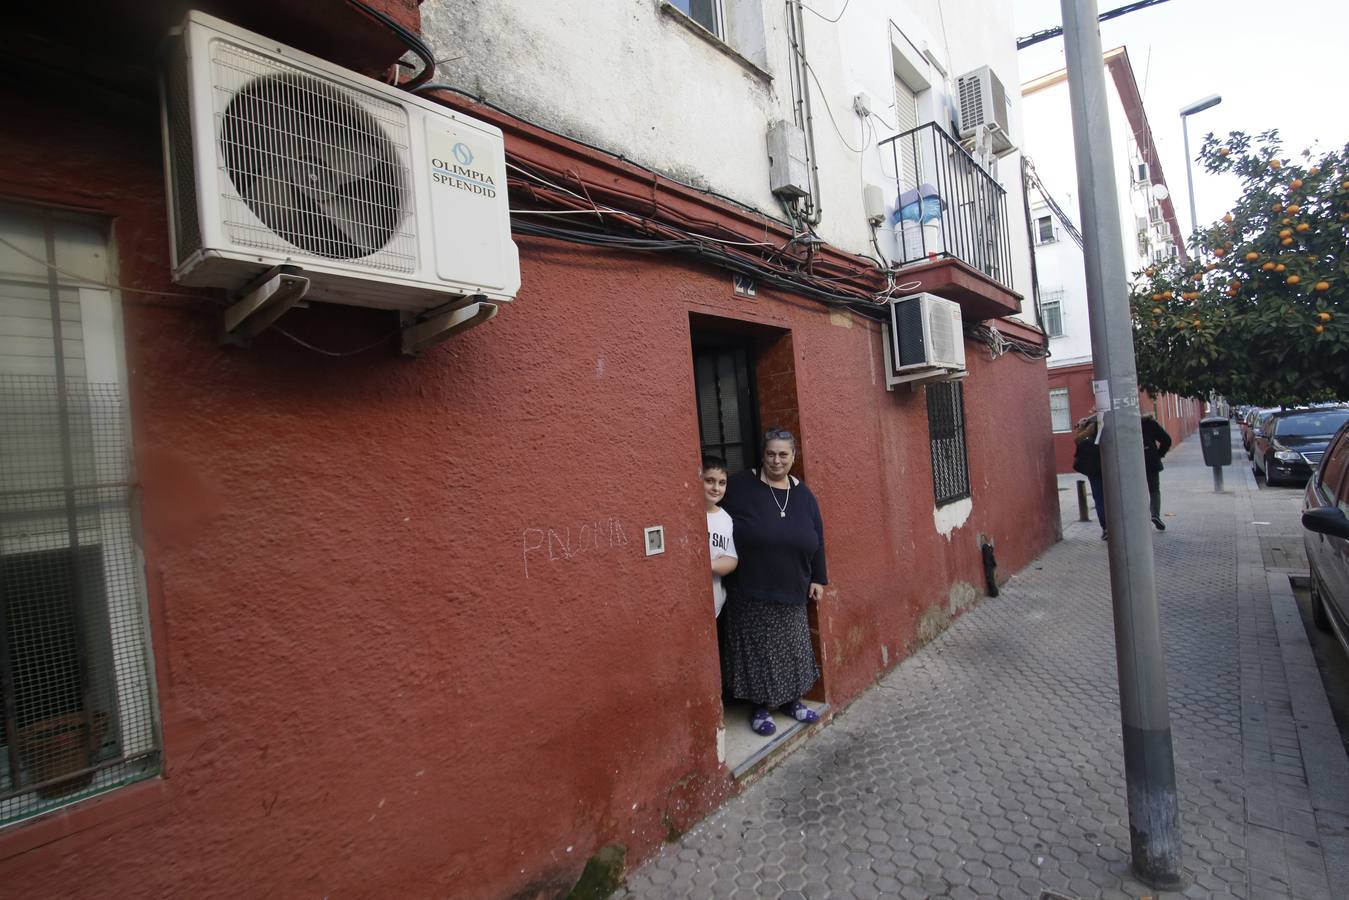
x=413, y=42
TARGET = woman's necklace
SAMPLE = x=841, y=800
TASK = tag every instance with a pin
x=782, y=507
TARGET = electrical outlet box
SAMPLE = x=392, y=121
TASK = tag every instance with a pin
x=873, y=204
x=861, y=104
x=788, y=171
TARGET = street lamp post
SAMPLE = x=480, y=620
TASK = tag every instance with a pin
x=1196, y=106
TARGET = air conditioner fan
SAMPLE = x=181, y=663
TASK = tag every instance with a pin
x=314, y=166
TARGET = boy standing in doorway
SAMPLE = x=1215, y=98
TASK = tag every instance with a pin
x=720, y=540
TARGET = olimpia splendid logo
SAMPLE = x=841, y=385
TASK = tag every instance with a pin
x=458, y=172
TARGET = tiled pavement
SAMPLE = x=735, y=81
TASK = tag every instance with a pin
x=990, y=765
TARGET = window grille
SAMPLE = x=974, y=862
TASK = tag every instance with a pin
x=78, y=714
x=946, y=431
x=1051, y=313
x=726, y=420
x=1060, y=419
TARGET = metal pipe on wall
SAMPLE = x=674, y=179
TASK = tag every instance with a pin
x=800, y=81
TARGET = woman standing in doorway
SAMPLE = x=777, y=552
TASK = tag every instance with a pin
x=766, y=654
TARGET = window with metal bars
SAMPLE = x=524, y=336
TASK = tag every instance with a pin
x=946, y=432
x=727, y=424
x=78, y=714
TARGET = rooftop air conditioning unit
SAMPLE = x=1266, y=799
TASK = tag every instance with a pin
x=924, y=340
x=275, y=158
x=982, y=101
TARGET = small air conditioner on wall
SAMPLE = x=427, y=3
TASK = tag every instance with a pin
x=924, y=340
x=982, y=101
x=277, y=158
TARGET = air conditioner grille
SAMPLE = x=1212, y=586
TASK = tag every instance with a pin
x=307, y=165
x=971, y=102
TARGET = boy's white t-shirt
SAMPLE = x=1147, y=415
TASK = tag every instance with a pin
x=720, y=542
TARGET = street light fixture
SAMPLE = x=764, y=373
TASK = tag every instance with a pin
x=1196, y=106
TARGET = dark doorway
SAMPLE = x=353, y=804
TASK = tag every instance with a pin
x=728, y=421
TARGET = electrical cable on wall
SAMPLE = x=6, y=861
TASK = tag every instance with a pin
x=1053, y=204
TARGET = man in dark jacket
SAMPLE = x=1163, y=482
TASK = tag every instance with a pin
x=1156, y=443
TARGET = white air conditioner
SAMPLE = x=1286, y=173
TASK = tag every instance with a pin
x=982, y=101
x=924, y=340
x=278, y=158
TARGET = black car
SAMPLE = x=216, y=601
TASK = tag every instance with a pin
x=1288, y=444
x=1327, y=538
x=1250, y=420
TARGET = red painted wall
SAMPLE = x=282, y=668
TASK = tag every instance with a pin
x=406, y=639
x=1178, y=415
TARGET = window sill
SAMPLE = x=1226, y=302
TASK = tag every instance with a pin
x=680, y=17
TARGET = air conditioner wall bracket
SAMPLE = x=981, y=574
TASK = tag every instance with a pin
x=261, y=302
x=422, y=331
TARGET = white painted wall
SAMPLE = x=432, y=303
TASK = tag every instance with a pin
x=630, y=77
x=1059, y=265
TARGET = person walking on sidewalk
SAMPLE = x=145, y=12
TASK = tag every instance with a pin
x=1156, y=443
x=1087, y=461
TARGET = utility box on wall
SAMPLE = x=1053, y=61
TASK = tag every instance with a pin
x=788, y=170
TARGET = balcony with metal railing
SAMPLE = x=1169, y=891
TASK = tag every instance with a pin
x=950, y=223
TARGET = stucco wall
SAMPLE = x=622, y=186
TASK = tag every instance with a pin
x=406, y=639
x=627, y=76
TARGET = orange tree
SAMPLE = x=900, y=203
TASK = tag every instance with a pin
x=1259, y=312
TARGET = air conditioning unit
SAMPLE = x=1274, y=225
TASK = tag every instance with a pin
x=924, y=340
x=982, y=101
x=275, y=158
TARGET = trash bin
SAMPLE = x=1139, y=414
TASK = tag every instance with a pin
x=1215, y=437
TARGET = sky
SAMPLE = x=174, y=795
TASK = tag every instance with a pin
x=1276, y=65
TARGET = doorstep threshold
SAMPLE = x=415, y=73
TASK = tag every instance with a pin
x=780, y=741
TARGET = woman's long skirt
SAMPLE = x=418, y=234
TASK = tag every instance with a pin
x=766, y=656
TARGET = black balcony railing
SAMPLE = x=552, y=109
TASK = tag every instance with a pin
x=947, y=206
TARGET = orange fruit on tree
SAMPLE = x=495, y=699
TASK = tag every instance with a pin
x=1197, y=323
x=1149, y=271
x=1287, y=242
x=1268, y=267
x=1303, y=228
x=1227, y=217
x=1252, y=256
x=1277, y=207
x=1286, y=222
x=1280, y=268
x=1167, y=295
x=1294, y=209
x=1294, y=279
x=1345, y=185
x=1322, y=286
x=1295, y=183
x=1314, y=170
x=1319, y=329
x=1324, y=316
x=1287, y=232
x=1223, y=151
x=1275, y=164
x=1219, y=252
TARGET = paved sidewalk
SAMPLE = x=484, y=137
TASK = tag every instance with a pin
x=990, y=764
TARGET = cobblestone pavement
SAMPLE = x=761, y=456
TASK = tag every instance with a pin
x=989, y=764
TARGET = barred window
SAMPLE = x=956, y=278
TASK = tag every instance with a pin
x=1060, y=419
x=946, y=431
x=1051, y=312
x=78, y=715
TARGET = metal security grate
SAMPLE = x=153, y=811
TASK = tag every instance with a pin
x=946, y=431
x=76, y=697
x=309, y=165
x=725, y=405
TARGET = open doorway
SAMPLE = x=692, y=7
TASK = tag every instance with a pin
x=745, y=382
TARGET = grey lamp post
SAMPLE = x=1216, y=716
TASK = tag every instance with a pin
x=1196, y=106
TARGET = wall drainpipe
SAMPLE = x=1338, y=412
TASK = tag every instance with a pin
x=796, y=35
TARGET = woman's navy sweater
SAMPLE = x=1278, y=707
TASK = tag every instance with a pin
x=779, y=556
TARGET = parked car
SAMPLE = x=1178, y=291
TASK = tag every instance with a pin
x=1249, y=422
x=1288, y=444
x=1326, y=537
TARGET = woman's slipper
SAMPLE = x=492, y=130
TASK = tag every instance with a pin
x=761, y=723
x=800, y=712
